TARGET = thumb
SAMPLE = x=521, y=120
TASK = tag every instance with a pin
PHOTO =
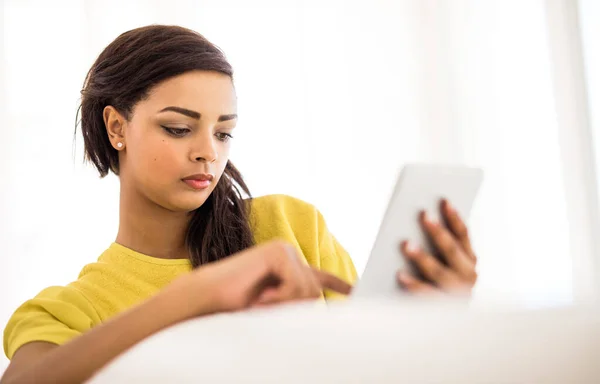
x=268, y=296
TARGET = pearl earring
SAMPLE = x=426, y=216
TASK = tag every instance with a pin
x=120, y=145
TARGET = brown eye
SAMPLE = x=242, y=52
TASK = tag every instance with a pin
x=224, y=137
x=176, y=132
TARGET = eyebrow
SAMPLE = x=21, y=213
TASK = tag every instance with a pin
x=194, y=114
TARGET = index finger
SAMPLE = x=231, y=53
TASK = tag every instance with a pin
x=332, y=282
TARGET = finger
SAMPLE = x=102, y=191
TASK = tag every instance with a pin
x=414, y=285
x=267, y=284
x=305, y=288
x=431, y=268
x=288, y=269
x=314, y=285
x=449, y=247
x=285, y=292
x=267, y=296
x=458, y=228
x=296, y=280
x=273, y=298
x=331, y=282
x=311, y=287
x=273, y=295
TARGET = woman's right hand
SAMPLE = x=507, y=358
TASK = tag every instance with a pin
x=266, y=274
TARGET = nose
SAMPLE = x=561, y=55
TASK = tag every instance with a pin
x=204, y=150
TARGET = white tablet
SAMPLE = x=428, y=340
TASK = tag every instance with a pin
x=419, y=187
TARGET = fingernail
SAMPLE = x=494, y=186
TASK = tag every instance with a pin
x=449, y=206
x=429, y=219
x=411, y=247
x=404, y=277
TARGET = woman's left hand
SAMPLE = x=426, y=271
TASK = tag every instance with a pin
x=456, y=273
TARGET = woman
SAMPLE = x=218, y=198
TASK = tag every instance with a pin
x=159, y=110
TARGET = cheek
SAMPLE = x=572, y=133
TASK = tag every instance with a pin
x=159, y=159
x=222, y=162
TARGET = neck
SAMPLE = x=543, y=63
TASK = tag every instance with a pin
x=150, y=229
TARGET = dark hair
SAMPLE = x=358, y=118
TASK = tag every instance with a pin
x=123, y=75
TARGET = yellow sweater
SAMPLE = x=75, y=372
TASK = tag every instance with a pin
x=122, y=277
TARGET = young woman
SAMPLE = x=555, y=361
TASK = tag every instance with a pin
x=159, y=110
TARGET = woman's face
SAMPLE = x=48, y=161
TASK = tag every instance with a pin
x=177, y=139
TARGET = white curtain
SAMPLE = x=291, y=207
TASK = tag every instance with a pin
x=334, y=96
x=589, y=27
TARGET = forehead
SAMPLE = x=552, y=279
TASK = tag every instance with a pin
x=207, y=92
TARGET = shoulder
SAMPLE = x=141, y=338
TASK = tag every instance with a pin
x=284, y=211
x=61, y=301
x=283, y=204
x=55, y=315
x=301, y=224
x=283, y=217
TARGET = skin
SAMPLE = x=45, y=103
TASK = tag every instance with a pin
x=457, y=274
x=154, y=208
x=153, y=160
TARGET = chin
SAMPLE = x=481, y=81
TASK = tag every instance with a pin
x=190, y=202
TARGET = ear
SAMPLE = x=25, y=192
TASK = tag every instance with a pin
x=114, y=122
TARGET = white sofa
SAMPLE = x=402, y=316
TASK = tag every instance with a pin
x=371, y=342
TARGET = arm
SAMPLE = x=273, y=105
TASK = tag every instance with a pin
x=77, y=360
x=262, y=275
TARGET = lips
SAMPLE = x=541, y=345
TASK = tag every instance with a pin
x=199, y=181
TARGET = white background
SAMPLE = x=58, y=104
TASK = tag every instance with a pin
x=334, y=96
